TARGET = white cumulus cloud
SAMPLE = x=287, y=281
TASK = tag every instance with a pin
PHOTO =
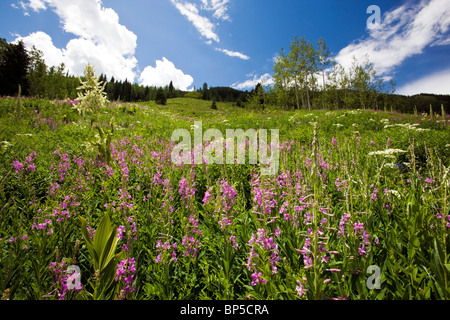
x=42, y=41
x=164, y=72
x=101, y=39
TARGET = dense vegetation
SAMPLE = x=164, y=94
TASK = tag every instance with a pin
x=294, y=86
x=93, y=207
x=354, y=189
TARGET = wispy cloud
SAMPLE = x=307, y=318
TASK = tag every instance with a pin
x=233, y=54
x=403, y=33
x=219, y=7
x=201, y=23
x=37, y=5
x=22, y=5
x=204, y=25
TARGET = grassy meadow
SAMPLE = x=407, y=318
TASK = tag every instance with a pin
x=359, y=208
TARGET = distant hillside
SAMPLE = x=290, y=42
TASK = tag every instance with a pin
x=400, y=103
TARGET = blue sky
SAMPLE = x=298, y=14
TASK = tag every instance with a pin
x=232, y=42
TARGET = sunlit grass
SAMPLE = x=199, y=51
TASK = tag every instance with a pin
x=372, y=190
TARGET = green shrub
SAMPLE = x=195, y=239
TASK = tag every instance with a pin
x=193, y=95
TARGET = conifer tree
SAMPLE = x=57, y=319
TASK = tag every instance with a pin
x=37, y=73
x=205, y=93
x=160, y=97
x=171, y=89
x=14, y=65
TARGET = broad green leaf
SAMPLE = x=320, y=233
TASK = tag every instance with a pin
x=436, y=265
x=88, y=241
x=108, y=251
x=438, y=251
x=380, y=295
x=102, y=234
x=413, y=245
x=102, y=251
x=101, y=237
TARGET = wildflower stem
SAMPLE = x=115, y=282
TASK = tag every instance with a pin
x=444, y=225
x=315, y=214
x=263, y=209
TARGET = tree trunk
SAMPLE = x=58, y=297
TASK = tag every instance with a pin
x=324, y=88
x=307, y=98
x=296, y=95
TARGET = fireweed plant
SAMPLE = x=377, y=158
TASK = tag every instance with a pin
x=354, y=189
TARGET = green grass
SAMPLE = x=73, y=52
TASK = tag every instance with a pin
x=402, y=202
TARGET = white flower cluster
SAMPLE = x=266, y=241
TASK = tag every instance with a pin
x=92, y=96
x=353, y=112
x=407, y=126
x=293, y=118
x=388, y=153
x=5, y=145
